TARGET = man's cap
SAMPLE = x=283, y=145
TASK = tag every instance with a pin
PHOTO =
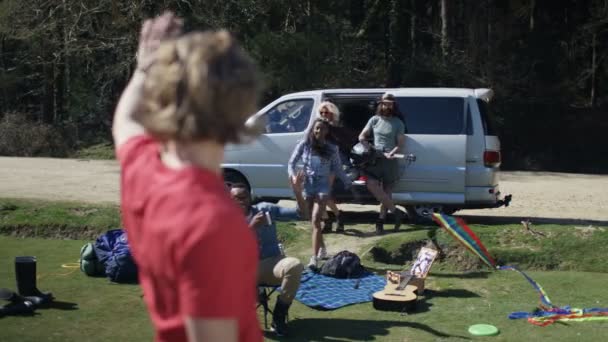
x=387, y=97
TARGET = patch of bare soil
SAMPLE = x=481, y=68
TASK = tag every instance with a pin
x=535, y=194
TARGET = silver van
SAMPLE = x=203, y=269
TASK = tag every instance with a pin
x=453, y=153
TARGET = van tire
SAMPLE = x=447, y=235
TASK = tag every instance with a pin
x=415, y=213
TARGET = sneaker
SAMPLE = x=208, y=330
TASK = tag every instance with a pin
x=322, y=255
x=312, y=264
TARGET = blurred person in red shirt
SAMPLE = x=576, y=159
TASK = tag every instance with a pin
x=190, y=95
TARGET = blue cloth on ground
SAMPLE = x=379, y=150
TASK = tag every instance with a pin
x=328, y=293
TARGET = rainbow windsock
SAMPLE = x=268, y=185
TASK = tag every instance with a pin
x=547, y=313
x=461, y=232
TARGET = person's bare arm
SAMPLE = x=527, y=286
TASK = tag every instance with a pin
x=398, y=147
x=152, y=33
x=225, y=330
x=364, y=135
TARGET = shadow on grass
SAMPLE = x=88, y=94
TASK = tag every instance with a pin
x=363, y=217
x=59, y=305
x=452, y=293
x=388, y=229
x=464, y=275
x=317, y=329
x=370, y=216
x=501, y=220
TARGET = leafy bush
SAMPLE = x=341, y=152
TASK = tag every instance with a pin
x=24, y=138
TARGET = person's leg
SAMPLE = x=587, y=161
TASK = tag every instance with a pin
x=288, y=270
x=327, y=221
x=311, y=209
x=373, y=185
x=331, y=203
x=317, y=234
x=266, y=271
x=284, y=271
x=317, y=214
x=388, y=189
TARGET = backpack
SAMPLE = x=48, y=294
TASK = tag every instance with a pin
x=112, y=250
x=343, y=265
x=89, y=264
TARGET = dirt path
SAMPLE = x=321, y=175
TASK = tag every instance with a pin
x=535, y=194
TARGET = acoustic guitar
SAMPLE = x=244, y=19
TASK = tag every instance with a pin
x=397, y=295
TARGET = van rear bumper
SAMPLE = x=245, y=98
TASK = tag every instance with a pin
x=482, y=197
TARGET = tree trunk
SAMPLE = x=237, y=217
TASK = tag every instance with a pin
x=532, y=9
x=309, y=41
x=4, y=102
x=444, y=29
x=48, y=95
x=413, y=24
x=66, y=61
x=394, y=56
x=592, y=96
x=489, y=18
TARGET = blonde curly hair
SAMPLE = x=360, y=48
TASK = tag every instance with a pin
x=202, y=86
x=331, y=107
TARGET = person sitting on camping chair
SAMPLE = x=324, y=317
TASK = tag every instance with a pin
x=274, y=268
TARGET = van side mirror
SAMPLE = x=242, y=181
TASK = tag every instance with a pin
x=255, y=126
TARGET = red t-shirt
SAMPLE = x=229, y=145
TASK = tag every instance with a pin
x=195, y=254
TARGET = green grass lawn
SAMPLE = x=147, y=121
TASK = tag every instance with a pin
x=92, y=309
x=460, y=292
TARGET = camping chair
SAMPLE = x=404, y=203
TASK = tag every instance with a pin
x=264, y=293
x=421, y=267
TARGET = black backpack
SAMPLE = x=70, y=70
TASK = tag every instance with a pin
x=343, y=265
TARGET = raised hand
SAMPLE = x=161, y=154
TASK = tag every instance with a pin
x=154, y=31
x=297, y=181
x=258, y=220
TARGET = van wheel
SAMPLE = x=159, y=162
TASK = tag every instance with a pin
x=421, y=213
x=233, y=177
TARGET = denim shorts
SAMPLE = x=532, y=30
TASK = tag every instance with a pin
x=316, y=187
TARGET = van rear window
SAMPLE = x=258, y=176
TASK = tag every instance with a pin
x=433, y=115
x=486, y=118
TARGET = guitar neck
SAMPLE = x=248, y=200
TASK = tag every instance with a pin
x=404, y=281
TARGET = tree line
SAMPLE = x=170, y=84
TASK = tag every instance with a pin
x=63, y=63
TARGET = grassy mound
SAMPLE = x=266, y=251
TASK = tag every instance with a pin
x=58, y=220
x=548, y=247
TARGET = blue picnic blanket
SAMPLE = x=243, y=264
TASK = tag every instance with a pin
x=328, y=293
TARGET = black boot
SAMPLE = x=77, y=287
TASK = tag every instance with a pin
x=18, y=305
x=380, y=227
x=398, y=216
x=339, y=224
x=279, y=318
x=327, y=225
x=25, y=273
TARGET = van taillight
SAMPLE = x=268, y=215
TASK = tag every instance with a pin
x=491, y=158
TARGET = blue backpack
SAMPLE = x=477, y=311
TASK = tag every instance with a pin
x=112, y=251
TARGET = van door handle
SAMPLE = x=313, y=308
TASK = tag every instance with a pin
x=472, y=160
x=410, y=157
